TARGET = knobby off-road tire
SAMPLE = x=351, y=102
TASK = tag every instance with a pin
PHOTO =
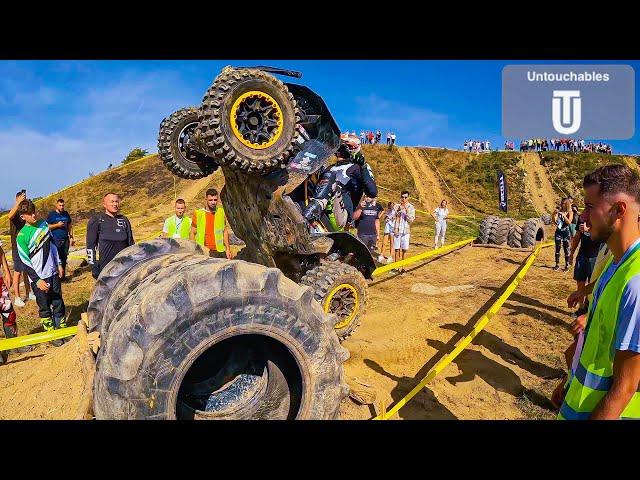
x=256, y=142
x=532, y=231
x=500, y=231
x=181, y=161
x=219, y=339
x=486, y=226
x=515, y=236
x=546, y=218
x=341, y=290
x=127, y=268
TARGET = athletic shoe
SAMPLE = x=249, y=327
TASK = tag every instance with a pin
x=18, y=302
x=556, y=268
x=566, y=268
x=57, y=343
x=32, y=296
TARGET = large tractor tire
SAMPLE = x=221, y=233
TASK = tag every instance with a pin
x=546, y=218
x=515, y=236
x=500, y=231
x=247, y=121
x=486, y=226
x=341, y=290
x=532, y=232
x=219, y=339
x=175, y=146
x=131, y=265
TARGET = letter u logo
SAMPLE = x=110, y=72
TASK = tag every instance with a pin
x=566, y=111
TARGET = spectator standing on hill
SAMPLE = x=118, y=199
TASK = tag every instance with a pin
x=562, y=217
x=440, y=216
x=177, y=225
x=59, y=222
x=209, y=226
x=15, y=225
x=378, y=136
x=388, y=138
x=362, y=136
x=393, y=138
x=39, y=255
x=405, y=214
x=108, y=234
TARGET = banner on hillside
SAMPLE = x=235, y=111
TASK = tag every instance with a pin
x=502, y=191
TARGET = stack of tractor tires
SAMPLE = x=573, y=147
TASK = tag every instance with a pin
x=506, y=231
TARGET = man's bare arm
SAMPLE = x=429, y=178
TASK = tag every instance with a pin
x=626, y=378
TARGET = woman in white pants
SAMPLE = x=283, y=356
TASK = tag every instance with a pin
x=440, y=215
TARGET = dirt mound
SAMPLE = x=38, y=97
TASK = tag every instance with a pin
x=539, y=185
x=427, y=183
x=46, y=383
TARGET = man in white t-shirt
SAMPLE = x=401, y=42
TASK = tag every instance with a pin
x=440, y=215
x=405, y=214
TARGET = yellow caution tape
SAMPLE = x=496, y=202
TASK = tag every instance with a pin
x=462, y=343
x=421, y=256
x=26, y=340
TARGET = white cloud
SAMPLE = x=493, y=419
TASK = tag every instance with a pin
x=43, y=96
x=412, y=125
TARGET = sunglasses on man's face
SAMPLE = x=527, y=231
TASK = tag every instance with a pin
x=405, y=196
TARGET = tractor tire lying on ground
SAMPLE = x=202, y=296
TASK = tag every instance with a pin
x=175, y=150
x=486, y=226
x=546, y=218
x=532, y=232
x=500, y=231
x=341, y=290
x=125, y=264
x=515, y=236
x=247, y=121
x=219, y=339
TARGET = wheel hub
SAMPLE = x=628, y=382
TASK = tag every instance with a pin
x=256, y=120
x=343, y=302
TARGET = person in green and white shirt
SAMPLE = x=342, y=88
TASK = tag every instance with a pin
x=178, y=225
x=39, y=254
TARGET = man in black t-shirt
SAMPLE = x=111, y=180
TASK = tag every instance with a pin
x=587, y=254
x=109, y=233
x=367, y=216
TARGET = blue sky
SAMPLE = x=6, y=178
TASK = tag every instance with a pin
x=60, y=120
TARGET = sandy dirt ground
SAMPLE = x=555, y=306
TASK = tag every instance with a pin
x=510, y=369
x=427, y=183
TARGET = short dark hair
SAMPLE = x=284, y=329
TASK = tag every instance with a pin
x=110, y=193
x=19, y=193
x=612, y=179
x=211, y=191
x=60, y=200
x=404, y=192
x=26, y=206
x=180, y=201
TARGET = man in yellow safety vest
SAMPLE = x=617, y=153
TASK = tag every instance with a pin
x=209, y=226
x=178, y=225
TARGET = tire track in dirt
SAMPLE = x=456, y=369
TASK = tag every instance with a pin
x=539, y=185
x=429, y=189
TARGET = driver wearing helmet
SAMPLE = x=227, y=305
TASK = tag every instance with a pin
x=344, y=183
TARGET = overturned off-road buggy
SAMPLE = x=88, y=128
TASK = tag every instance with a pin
x=190, y=337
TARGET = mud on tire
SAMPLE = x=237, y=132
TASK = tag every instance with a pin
x=247, y=121
x=180, y=159
x=126, y=267
x=342, y=290
x=220, y=339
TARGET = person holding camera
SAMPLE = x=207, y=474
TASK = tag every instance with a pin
x=367, y=217
x=405, y=214
x=440, y=215
x=16, y=223
x=563, y=217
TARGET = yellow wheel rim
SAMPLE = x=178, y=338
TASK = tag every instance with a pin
x=256, y=120
x=340, y=293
